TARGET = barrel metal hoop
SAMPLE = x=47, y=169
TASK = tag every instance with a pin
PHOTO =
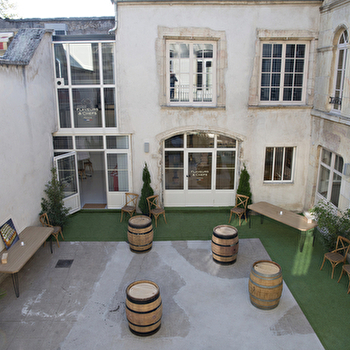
x=265, y=287
x=224, y=245
x=143, y=312
x=146, y=325
x=140, y=234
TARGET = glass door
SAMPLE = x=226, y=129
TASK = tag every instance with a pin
x=66, y=166
x=199, y=170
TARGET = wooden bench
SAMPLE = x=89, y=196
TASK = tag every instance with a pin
x=30, y=240
x=286, y=217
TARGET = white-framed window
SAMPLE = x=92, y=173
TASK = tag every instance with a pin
x=283, y=72
x=330, y=176
x=191, y=73
x=279, y=164
x=340, y=67
x=85, y=84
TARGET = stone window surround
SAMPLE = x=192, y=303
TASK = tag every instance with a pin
x=188, y=33
x=283, y=35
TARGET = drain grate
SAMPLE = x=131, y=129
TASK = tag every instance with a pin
x=64, y=263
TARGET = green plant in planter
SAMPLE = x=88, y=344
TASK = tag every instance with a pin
x=146, y=190
x=244, y=185
x=53, y=204
x=331, y=223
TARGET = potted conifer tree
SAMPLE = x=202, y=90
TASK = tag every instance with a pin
x=146, y=190
x=244, y=184
x=53, y=204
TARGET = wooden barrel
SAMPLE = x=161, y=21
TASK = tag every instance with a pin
x=143, y=307
x=224, y=244
x=265, y=284
x=140, y=233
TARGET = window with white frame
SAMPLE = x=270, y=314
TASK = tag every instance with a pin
x=85, y=84
x=340, y=66
x=330, y=176
x=283, y=72
x=279, y=164
x=191, y=73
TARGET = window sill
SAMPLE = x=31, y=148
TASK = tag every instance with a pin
x=191, y=107
x=303, y=106
x=278, y=183
x=332, y=116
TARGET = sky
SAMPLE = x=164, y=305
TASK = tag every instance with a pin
x=62, y=8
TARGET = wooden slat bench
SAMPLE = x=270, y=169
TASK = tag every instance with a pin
x=30, y=240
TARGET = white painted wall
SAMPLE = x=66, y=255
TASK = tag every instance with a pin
x=27, y=119
x=138, y=86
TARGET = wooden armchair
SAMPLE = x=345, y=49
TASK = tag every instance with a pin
x=339, y=254
x=345, y=268
x=44, y=219
x=130, y=204
x=154, y=208
x=240, y=208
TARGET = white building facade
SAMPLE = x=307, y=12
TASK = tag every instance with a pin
x=197, y=90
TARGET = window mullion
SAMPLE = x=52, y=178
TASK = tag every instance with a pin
x=283, y=69
x=283, y=164
x=191, y=62
x=273, y=164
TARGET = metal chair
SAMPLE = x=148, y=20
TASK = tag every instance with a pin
x=240, y=208
x=130, y=204
x=339, y=254
x=154, y=208
x=44, y=219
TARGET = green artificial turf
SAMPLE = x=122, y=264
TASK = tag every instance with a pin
x=324, y=302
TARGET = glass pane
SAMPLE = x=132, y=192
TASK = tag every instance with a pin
x=117, y=142
x=200, y=140
x=67, y=175
x=276, y=65
x=300, y=51
x=265, y=79
x=277, y=173
x=288, y=80
x=277, y=50
x=287, y=94
x=288, y=163
x=225, y=170
x=289, y=66
x=199, y=171
x=174, y=170
x=225, y=142
x=267, y=50
x=89, y=142
x=184, y=50
x=268, y=164
x=298, y=80
x=265, y=94
x=108, y=63
x=275, y=79
x=61, y=62
x=266, y=65
x=299, y=66
x=323, y=181
x=326, y=157
x=176, y=141
x=297, y=94
x=110, y=117
x=84, y=63
x=275, y=94
x=336, y=189
x=62, y=142
x=87, y=108
x=290, y=50
x=117, y=168
x=338, y=165
x=64, y=108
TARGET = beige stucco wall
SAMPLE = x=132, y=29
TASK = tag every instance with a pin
x=27, y=121
x=141, y=113
x=330, y=130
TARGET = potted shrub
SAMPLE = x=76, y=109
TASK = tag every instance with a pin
x=244, y=185
x=146, y=190
x=331, y=223
x=53, y=204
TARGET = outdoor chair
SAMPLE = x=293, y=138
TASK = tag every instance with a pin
x=345, y=268
x=44, y=219
x=130, y=204
x=154, y=208
x=240, y=208
x=339, y=254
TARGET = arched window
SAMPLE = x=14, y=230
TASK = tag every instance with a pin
x=342, y=51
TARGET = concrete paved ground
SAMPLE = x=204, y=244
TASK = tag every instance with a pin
x=205, y=305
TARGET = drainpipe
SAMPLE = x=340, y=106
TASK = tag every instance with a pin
x=114, y=29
